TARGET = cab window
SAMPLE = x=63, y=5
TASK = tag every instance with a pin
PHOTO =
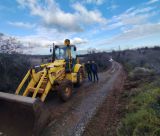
x=73, y=52
x=60, y=53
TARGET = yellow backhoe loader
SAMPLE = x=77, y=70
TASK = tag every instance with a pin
x=24, y=112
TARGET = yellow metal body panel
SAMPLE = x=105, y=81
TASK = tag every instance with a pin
x=35, y=77
x=39, y=84
x=48, y=88
x=43, y=81
x=77, y=67
x=22, y=83
x=31, y=84
x=72, y=77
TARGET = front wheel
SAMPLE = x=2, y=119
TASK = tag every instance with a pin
x=65, y=91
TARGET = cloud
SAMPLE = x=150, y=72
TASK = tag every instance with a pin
x=113, y=7
x=81, y=25
x=54, y=17
x=140, y=31
x=132, y=16
x=33, y=41
x=22, y=24
x=78, y=40
x=98, y=2
x=85, y=16
x=40, y=41
x=45, y=37
x=151, y=2
x=137, y=32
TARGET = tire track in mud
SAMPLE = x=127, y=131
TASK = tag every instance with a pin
x=71, y=118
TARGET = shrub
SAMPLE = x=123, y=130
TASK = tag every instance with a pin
x=143, y=113
x=13, y=67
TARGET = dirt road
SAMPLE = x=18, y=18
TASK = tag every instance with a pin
x=71, y=118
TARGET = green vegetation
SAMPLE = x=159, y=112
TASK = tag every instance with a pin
x=143, y=111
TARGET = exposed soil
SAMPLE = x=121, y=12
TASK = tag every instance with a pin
x=106, y=120
x=114, y=108
x=72, y=117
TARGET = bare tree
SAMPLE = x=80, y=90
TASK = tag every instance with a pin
x=9, y=45
x=91, y=51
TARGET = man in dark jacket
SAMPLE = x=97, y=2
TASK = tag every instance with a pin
x=88, y=69
x=94, y=69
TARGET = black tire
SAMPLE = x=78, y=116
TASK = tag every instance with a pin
x=80, y=74
x=65, y=90
x=78, y=79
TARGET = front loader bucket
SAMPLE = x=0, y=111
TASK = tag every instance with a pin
x=21, y=116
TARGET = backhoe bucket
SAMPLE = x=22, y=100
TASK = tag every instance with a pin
x=21, y=116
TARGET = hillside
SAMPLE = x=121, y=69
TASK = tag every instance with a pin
x=137, y=100
x=143, y=57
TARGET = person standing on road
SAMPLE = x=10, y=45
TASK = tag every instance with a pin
x=88, y=69
x=94, y=69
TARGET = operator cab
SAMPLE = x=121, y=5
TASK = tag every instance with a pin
x=63, y=52
x=66, y=52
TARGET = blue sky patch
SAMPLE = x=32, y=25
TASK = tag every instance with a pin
x=99, y=24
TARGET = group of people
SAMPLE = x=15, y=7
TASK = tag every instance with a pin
x=92, y=71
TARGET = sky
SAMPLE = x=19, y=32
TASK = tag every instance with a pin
x=103, y=25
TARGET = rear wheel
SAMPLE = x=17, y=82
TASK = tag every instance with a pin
x=80, y=76
x=65, y=91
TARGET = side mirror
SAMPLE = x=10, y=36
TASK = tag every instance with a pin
x=75, y=48
x=56, y=47
x=53, y=53
x=50, y=50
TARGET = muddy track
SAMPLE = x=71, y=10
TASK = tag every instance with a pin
x=71, y=118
